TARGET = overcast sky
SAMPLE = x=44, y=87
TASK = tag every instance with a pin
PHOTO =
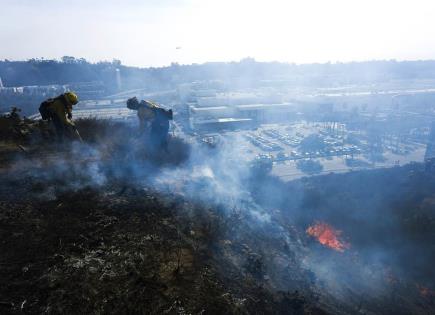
x=147, y=33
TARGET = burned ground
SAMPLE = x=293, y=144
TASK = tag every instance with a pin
x=124, y=251
x=74, y=244
x=87, y=229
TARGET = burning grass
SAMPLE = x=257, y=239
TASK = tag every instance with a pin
x=328, y=236
x=425, y=291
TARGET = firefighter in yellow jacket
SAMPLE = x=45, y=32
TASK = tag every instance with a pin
x=59, y=111
x=145, y=113
x=153, y=121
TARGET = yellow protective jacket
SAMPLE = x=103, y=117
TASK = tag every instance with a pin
x=61, y=110
x=145, y=113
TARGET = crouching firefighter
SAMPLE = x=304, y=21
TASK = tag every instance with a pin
x=58, y=110
x=153, y=121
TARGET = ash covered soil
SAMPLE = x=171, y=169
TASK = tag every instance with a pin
x=72, y=244
x=95, y=251
x=120, y=249
x=85, y=230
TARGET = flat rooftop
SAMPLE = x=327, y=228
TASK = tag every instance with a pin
x=222, y=120
x=245, y=107
x=212, y=108
x=265, y=106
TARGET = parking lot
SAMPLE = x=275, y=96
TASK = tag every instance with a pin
x=281, y=145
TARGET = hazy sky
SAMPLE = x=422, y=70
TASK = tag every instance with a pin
x=146, y=33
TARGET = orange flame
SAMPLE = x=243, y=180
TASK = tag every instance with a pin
x=327, y=236
x=425, y=291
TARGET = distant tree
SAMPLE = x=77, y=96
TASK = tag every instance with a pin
x=309, y=166
x=116, y=62
x=312, y=143
x=68, y=59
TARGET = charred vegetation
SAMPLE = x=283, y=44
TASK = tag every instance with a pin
x=106, y=226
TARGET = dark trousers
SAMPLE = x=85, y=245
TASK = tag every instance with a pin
x=159, y=137
x=60, y=128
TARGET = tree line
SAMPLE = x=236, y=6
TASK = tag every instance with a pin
x=246, y=72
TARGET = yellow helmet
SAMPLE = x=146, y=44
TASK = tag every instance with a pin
x=71, y=97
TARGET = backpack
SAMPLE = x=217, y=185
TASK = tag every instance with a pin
x=44, y=108
x=163, y=113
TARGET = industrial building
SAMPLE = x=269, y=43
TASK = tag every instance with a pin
x=239, y=116
x=86, y=90
x=223, y=124
x=101, y=109
x=233, y=99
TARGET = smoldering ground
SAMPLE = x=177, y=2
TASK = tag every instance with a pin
x=265, y=219
x=387, y=218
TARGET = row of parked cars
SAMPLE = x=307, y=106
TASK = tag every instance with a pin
x=263, y=143
x=284, y=138
x=295, y=155
x=334, y=146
